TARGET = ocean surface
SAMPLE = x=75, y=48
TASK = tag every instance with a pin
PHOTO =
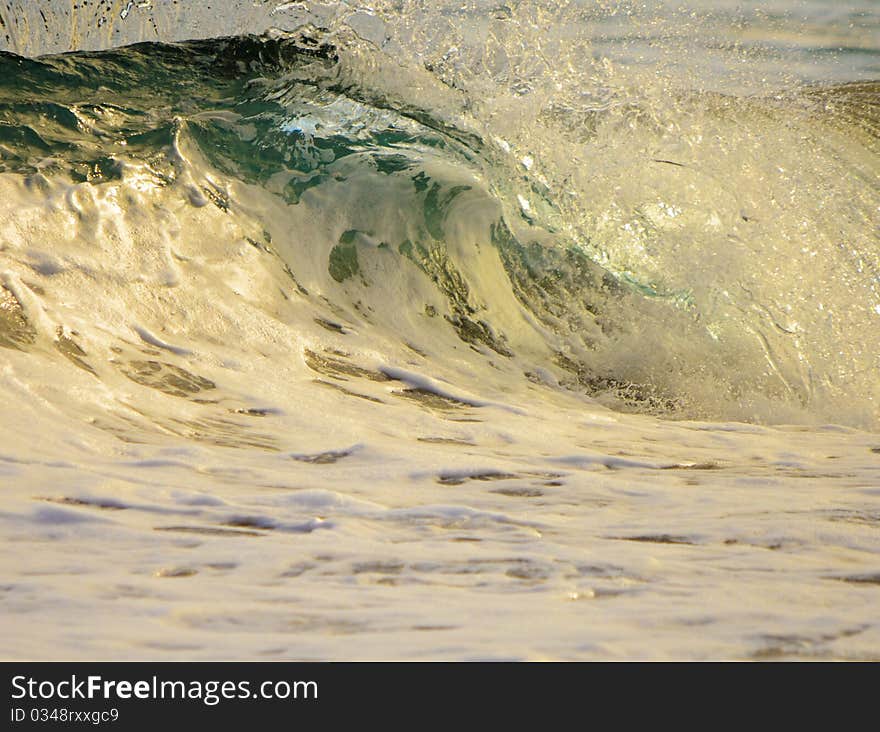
x=506, y=330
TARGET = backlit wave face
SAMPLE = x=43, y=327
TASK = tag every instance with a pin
x=679, y=254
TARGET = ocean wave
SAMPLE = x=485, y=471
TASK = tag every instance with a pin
x=421, y=331
x=652, y=283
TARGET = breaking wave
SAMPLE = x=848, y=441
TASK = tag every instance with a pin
x=673, y=251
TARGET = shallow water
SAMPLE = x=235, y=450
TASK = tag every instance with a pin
x=440, y=333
